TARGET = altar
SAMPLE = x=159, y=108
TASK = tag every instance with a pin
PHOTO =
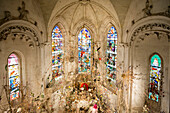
x=85, y=94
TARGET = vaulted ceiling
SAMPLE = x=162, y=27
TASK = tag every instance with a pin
x=121, y=7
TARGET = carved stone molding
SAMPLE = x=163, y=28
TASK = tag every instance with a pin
x=158, y=34
x=21, y=32
x=155, y=27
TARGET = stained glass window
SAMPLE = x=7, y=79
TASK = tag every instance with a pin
x=155, y=77
x=111, y=54
x=84, y=50
x=57, y=52
x=14, y=76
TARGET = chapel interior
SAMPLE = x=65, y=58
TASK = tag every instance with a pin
x=84, y=56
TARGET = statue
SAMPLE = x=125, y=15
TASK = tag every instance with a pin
x=7, y=17
x=147, y=9
x=23, y=12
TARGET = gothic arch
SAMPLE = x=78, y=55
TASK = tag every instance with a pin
x=145, y=31
x=84, y=23
x=21, y=29
x=104, y=31
x=61, y=22
x=105, y=26
x=22, y=72
x=149, y=25
x=75, y=34
x=22, y=65
x=60, y=8
x=24, y=38
x=63, y=31
x=158, y=55
x=158, y=93
x=60, y=56
x=62, y=25
x=107, y=23
x=14, y=81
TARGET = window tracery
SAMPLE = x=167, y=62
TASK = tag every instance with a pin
x=84, y=50
x=155, y=77
x=57, y=52
x=14, y=76
x=111, y=54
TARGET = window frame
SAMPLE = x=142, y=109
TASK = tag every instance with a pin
x=109, y=28
x=62, y=30
x=156, y=106
x=91, y=53
x=20, y=76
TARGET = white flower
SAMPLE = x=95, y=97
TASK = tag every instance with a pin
x=19, y=110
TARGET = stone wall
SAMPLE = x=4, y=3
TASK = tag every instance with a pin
x=145, y=31
x=146, y=35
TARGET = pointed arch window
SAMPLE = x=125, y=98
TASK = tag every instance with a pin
x=111, y=54
x=155, y=77
x=84, y=50
x=57, y=52
x=14, y=76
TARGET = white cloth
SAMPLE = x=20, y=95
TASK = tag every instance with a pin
x=83, y=104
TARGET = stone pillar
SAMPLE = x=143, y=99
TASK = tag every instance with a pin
x=168, y=110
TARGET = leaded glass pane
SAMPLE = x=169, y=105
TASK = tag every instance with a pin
x=155, y=78
x=111, y=54
x=57, y=52
x=84, y=50
x=14, y=76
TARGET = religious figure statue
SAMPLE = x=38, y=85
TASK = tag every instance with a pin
x=147, y=9
x=7, y=17
x=23, y=12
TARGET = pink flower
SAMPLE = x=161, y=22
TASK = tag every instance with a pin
x=95, y=106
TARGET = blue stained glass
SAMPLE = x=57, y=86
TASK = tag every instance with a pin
x=155, y=77
x=111, y=54
x=84, y=50
x=57, y=52
x=14, y=76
